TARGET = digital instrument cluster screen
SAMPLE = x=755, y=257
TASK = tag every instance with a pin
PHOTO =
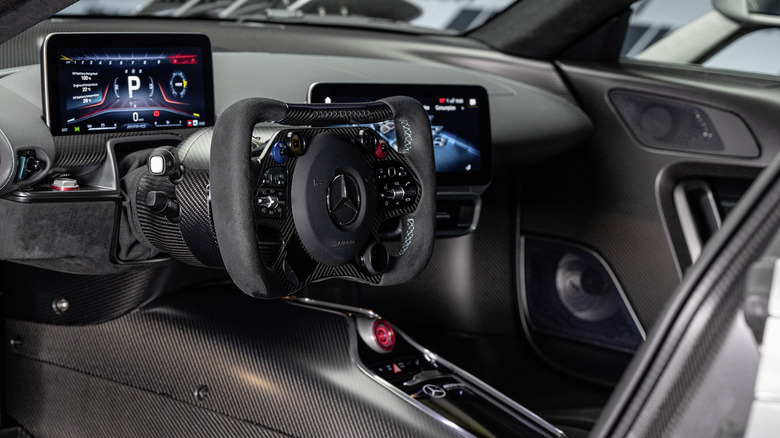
x=98, y=83
x=460, y=123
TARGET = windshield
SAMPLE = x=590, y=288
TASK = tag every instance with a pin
x=440, y=15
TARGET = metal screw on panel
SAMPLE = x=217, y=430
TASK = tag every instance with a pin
x=60, y=305
x=16, y=342
x=202, y=393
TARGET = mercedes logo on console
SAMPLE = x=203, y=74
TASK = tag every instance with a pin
x=343, y=199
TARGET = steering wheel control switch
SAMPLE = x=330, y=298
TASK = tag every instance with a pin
x=381, y=149
x=164, y=161
x=374, y=259
x=279, y=152
x=275, y=177
x=271, y=202
x=65, y=185
x=367, y=140
x=296, y=143
x=395, y=187
x=272, y=193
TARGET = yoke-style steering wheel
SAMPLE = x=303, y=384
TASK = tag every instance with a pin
x=310, y=207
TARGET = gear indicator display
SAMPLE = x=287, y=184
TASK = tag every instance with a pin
x=146, y=87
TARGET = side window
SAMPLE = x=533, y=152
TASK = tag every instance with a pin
x=691, y=31
x=756, y=52
x=652, y=20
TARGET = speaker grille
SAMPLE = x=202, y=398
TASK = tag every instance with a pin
x=667, y=123
x=569, y=292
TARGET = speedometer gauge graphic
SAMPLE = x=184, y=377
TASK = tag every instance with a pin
x=178, y=84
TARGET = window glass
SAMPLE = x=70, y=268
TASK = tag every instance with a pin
x=651, y=20
x=756, y=52
x=443, y=15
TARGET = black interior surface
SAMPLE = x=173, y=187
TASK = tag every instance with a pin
x=150, y=326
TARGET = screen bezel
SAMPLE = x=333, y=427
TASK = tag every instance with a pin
x=320, y=90
x=95, y=40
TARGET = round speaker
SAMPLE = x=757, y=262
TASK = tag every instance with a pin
x=657, y=122
x=583, y=289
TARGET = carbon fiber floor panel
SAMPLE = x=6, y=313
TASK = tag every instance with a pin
x=133, y=412
x=268, y=366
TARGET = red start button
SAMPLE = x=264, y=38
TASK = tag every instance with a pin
x=383, y=335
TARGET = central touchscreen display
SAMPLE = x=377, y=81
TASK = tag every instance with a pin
x=137, y=82
x=460, y=123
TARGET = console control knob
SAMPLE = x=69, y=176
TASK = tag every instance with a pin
x=367, y=140
x=160, y=203
x=384, y=335
x=65, y=184
x=27, y=164
x=279, y=152
x=374, y=259
x=34, y=164
x=296, y=143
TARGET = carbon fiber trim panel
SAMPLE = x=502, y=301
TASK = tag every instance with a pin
x=277, y=367
x=30, y=293
x=77, y=155
x=196, y=226
x=160, y=232
x=332, y=114
x=143, y=413
x=80, y=154
x=195, y=151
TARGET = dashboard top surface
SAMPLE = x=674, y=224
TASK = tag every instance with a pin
x=520, y=114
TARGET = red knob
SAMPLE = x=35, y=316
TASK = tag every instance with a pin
x=383, y=335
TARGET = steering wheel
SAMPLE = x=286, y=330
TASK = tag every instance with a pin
x=319, y=194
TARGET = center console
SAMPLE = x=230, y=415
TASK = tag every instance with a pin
x=435, y=385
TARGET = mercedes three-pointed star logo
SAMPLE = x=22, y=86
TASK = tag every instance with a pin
x=343, y=199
